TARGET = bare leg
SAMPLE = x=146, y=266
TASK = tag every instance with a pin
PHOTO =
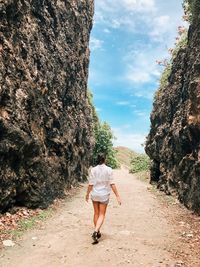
x=96, y=212
x=102, y=213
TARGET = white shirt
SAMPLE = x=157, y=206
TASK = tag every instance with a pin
x=101, y=177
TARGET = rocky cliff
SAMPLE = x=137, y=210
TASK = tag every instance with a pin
x=173, y=143
x=45, y=119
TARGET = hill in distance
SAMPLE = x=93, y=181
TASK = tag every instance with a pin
x=124, y=155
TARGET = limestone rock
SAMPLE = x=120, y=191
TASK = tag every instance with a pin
x=46, y=134
x=8, y=243
x=174, y=140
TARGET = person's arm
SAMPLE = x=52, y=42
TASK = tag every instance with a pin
x=115, y=191
x=89, y=189
x=90, y=185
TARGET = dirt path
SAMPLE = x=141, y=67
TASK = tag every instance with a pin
x=134, y=234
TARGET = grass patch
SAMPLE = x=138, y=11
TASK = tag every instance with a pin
x=25, y=224
x=143, y=176
x=140, y=163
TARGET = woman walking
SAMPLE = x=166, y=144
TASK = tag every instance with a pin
x=101, y=182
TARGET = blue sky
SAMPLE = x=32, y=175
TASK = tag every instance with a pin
x=128, y=37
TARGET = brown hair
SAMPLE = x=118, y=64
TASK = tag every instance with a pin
x=101, y=159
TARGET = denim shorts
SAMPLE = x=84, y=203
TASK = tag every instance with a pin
x=102, y=202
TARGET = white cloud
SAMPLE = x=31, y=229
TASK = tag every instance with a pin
x=133, y=105
x=122, y=13
x=162, y=27
x=123, y=103
x=142, y=72
x=98, y=109
x=130, y=5
x=152, y=21
x=139, y=32
x=141, y=114
x=126, y=126
x=138, y=75
x=107, y=30
x=95, y=43
x=141, y=66
x=145, y=93
x=115, y=23
x=139, y=5
x=141, y=69
x=147, y=16
x=133, y=141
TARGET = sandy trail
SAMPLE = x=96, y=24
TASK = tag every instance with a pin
x=137, y=233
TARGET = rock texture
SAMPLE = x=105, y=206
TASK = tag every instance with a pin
x=45, y=119
x=174, y=140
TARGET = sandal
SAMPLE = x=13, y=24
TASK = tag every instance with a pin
x=98, y=234
x=95, y=238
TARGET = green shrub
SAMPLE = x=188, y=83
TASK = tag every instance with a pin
x=140, y=163
x=165, y=76
x=187, y=10
x=182, y=43
x=103, y=138
x=104, y=144
x=192, y=9
x=164, y=80
x=95, y=119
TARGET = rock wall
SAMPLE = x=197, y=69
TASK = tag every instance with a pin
x=173, y=143
x=45, y=119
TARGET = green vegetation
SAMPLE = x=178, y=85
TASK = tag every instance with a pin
x=140, y=163
x=165, y=76
x=181, y=43
x=187, y=11
x=104, y=145
x=143, y=176
x=103, y=138
x=25, y=224
x=95, y=119
x=136, y=163
x=191, y=9
x=29, y=223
